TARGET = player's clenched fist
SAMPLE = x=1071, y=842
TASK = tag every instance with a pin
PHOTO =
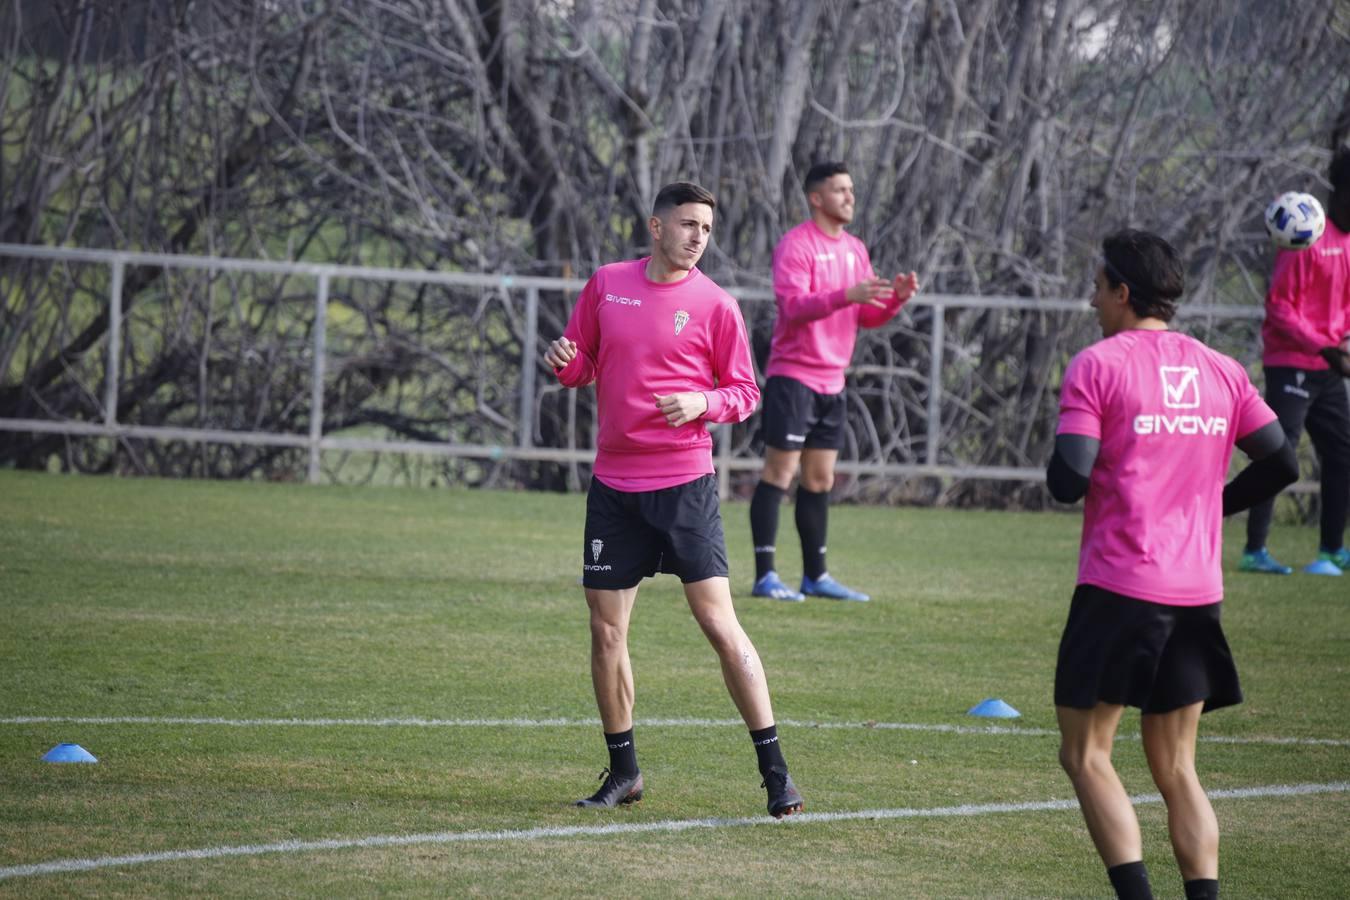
x=680, y=409
x=560, y=353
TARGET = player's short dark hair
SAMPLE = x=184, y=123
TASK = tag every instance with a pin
x=1338, y=206
x=822, y=172
x=679, y=193
x=1149, y=266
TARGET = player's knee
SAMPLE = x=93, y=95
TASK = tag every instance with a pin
x=720, y=632
x=1070, y=760
x=818, y=482
x=607, y=636
x=1173, y=773
x=1079, y=761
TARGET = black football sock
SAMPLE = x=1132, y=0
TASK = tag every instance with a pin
x=1202, y=889
x=767, y=749
x=764, y=525
x=1130, y=881
x=1335, y=495
x=813, y=513
x=622, y=753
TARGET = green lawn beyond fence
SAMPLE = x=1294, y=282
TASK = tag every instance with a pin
x=335, y=691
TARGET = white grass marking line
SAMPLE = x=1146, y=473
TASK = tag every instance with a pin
x=60, y=866
x=520, y=722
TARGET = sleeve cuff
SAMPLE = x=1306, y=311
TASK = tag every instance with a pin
x=715, y=405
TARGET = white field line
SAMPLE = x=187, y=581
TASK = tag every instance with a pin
x=59, y=866
x=414, y=722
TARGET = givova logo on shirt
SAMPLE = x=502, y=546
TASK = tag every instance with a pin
x=1180, y=390
x=1181, y=386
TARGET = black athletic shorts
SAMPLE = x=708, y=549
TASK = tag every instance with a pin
x=796, y=416
x=1159, y=658
x=633, y=535
x=1317, y=400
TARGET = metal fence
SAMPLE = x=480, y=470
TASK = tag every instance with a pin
x=915, y=416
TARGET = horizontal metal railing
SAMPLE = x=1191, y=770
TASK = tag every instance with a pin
x=323, y=274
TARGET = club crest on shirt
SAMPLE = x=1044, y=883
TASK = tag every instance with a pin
x=597, y=545
x=681, y=320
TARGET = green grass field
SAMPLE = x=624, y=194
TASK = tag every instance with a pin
x=140, y=604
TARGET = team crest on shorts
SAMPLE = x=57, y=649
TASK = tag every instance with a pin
x=681, y=320
x=596, y=546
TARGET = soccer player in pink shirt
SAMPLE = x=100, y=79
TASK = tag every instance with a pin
x=667, y=351
x=1306, y=335
x=826, y=290
x=1148, y=421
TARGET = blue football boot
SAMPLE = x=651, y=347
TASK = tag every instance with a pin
x=1262, y=562
x=1329, y=562
x=827, y=587
x=772, y=586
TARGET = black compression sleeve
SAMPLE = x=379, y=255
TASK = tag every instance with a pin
x=1070, y=467
x=1271, y=471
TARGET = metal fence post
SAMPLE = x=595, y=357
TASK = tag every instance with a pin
x=110, y=385
x=529, y=369
x=935, y=384
x=316, y=391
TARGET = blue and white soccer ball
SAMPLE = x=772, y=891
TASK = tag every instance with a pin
x=1295, y=220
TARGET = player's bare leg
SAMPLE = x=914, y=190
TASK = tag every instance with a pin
x=1169, y=744
x=710, y=602
x=817, y=465
x=611, y=671
x=780, y=466
x=1086, y=738
x=612, y=678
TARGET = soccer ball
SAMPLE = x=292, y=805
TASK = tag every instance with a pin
x=1295, y=220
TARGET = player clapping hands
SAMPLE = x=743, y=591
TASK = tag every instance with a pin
x=876, y=290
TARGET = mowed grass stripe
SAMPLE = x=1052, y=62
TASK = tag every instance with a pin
x=935, y=728
x=56, y=867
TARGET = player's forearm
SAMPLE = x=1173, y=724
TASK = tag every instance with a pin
x=1070, y=470
x=1293, y=329
x=799, y=306
x=734, y=402
x=874, y=318
x=792, y=287
x=1261, y=480
x=577, y=373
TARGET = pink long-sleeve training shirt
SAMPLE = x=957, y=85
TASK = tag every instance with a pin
x=637, y=339
x=1308, y=305
x=1167, y=410
x=817, y=326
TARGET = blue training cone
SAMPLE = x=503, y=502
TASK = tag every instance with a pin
x=68, y=753
x=993, y=708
